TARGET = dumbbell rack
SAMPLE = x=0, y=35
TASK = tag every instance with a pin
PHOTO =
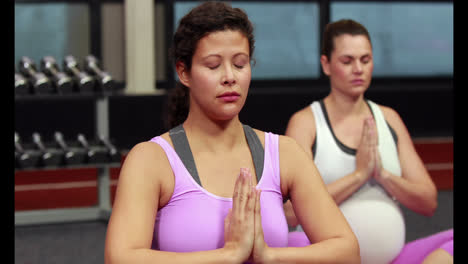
x=103, y=208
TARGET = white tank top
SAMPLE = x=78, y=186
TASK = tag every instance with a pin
x=372, y=213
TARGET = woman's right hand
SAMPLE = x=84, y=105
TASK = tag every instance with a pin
x=239, y=228
x=365, y=156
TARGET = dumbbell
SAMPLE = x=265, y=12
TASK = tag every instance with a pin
x=25, y=158
x=21, y=84
x=63, y=83
x=84, y=82
x=112, y=153
x=95, y=153
x=72, y=155
x=49, y=156
x=105, y=80
x=40, y=82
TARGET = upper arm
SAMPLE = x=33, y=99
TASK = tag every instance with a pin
x=315, y=209
x=301, y=127
x=412, y=166
x=137, y=198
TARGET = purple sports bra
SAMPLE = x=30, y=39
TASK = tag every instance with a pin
x=193, y=219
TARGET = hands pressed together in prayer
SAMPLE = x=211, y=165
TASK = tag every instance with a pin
x=368, y=162
x=243, y=233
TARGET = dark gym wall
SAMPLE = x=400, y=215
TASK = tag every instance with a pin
x=426, y=113
x=425, y=106
x=46, y=115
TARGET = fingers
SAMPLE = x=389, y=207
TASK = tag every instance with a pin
x=258, y=215
x=373, y=132
x=365, y=133
x=365, y=156
x=227, y=220
x=243, y=202
x=250, y=205
x=239, y=224
x=237, y=192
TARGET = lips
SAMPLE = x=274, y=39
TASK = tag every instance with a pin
x=357, y=81
x=229, y=96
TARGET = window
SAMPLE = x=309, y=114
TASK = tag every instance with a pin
x=408, y=39
x=286, y=37
x=51, y=29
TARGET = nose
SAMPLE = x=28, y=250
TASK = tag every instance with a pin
x=228, y=76
x=357, y=67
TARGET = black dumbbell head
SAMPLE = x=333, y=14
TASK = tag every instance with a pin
x=91, y=65
x=84, y=82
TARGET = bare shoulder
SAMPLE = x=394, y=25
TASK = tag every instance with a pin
x=301, y=127
x=389, y=113
x=294, y=162
x=305, y=116
x=392, y=117
x=288, y=144
x=291, y=153
x=146, y=161
x=261, y=135
x=144, y=151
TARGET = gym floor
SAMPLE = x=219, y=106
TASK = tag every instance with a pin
x=83, y=242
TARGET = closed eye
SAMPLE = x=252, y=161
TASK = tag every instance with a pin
x=213, y=67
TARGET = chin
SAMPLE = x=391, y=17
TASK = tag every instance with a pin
x=226, y=115
x=359, y=90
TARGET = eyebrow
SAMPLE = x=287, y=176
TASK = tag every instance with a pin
x=352, y=57
x=219, y=56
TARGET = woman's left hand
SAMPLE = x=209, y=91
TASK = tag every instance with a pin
x=260, y=248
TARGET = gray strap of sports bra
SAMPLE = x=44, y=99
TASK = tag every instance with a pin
x=256, y=149
x=182, y=148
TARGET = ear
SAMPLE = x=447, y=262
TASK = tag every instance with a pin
x=325, y=65
x=182, y=73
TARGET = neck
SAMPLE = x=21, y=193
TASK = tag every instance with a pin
x=214, y=135
x=345, y=105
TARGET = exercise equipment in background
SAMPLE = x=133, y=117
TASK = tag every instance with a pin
x=83, y=81
x=95, y=153
x=112, y=153
x=39, y=81
x=104, y=79
x=21, y=84
x=62, y=82
x=25, y=158
x=50, y=156
x=72, y=155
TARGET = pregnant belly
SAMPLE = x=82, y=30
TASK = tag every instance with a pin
x=379, y=227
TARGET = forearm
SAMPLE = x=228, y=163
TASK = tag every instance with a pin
x=131, y=256
x=344, y=187
x=334, y=250
x=289, y=213
x=421, y=198
x=339, y=190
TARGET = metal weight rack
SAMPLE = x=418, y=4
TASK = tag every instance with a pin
x=102, y=210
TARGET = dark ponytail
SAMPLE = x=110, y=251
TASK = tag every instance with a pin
x=177, y=106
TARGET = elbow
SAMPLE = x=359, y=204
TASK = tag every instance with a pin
x=113, y=255
x=430, y=203
x=431, y=208
x=351, y=251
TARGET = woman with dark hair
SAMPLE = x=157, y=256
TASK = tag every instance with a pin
x=211, y=189
x=364, y=154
